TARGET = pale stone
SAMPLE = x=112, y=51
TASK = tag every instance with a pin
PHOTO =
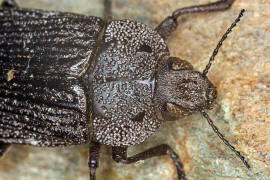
x=241, y=74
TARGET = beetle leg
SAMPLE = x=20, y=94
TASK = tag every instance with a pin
x=107, y=9
x=3, y=148
x=9, y=4
x=169, y=24
x=93, y=159
x=119, y=154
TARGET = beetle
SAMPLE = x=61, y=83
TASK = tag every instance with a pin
x=69, y=79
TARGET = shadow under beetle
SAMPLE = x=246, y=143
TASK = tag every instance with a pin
x=69, y=79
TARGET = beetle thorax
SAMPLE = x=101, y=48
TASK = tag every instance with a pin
x=122, y=84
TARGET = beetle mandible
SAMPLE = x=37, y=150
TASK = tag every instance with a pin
x=69, y=79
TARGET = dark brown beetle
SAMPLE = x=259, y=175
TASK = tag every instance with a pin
x=69, y=79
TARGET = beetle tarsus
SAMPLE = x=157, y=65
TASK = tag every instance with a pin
x=168, y=25
x=119, y=154
x=93, y=159
x=9, y=4
x=178, y=165
x=86, y=69
x=107, y=9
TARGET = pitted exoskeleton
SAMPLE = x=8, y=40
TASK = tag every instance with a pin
x=69, y=79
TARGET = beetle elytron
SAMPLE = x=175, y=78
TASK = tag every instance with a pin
x=69, y=79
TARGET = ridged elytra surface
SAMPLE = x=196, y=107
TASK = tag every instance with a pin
x=42, y=54
x=203, y=154
x=45, y=95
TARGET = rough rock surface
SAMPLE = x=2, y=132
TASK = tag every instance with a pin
x=241, y=73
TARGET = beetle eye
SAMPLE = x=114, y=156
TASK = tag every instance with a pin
x=171, y=111
x=145, y=48
x=171, y=108
x=177, y=64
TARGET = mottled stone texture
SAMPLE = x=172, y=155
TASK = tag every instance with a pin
x=241, y=73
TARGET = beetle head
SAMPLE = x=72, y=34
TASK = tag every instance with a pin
x=180, y=90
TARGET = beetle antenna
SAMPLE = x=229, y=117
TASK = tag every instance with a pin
x=205, y=71
x=210, y=122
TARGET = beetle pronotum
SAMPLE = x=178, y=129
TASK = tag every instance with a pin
x=69, y=79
